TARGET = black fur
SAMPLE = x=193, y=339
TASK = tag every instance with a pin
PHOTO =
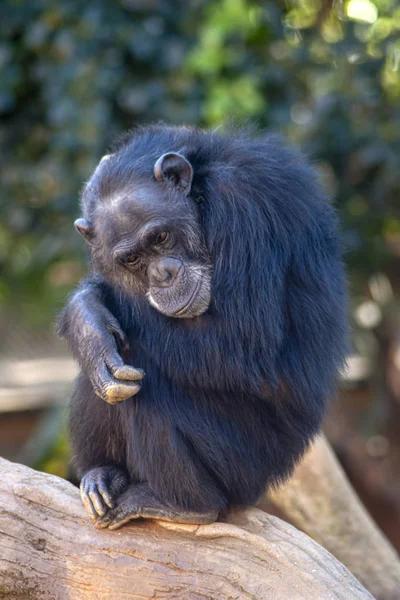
x=231, y=399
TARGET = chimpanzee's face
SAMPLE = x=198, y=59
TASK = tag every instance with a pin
x=145, y=238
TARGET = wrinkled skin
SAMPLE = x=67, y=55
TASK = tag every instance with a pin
x=101, y=343
x=138, y=242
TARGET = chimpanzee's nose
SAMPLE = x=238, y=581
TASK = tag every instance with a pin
x=163, y=272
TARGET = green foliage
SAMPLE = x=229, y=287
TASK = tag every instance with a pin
x=330, y=79
x=74, y=74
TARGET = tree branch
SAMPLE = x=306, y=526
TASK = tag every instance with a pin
x=320, y=501
x=49, y=549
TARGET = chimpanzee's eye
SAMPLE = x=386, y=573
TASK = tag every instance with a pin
x=132, y=260
x=162, y=238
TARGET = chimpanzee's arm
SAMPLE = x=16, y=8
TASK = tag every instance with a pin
x=97, y=341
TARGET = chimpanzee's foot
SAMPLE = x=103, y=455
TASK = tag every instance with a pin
x=139, y=502
x=100, y=489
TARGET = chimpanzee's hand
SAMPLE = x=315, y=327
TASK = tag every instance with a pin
x=101, y=342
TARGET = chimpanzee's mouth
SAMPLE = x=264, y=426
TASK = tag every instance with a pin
x=198, y=302
x=186, y=308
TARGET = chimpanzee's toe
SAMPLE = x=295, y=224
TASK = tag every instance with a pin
x=100, y=489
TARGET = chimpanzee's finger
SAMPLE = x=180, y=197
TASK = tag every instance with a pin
x=86, y=501
x=111, y=485
x=105, y=493
x=128, y=373
x=115, y=393
x=112, y=390
x=116, y=517
x=103, y=522
x=120, y=391
x=117, y=523
x=97, y=501
x=119, y=369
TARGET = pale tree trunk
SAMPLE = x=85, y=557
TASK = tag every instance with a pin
x=320, y=501
x=50, y=551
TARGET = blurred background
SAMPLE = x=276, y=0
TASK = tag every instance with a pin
x=75, y=74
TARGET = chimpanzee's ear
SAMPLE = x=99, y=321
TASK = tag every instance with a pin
x=85, y=228
x=175, y=168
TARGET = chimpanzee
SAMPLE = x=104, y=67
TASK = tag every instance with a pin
x=212, y=329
